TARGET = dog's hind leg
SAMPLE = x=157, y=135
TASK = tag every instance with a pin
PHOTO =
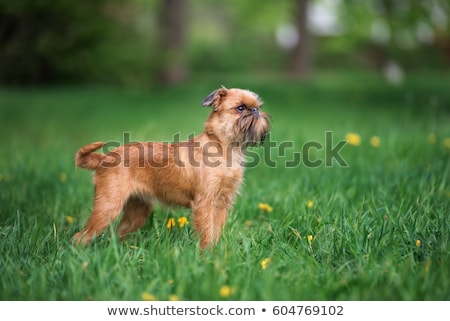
x=108, y=204
x=136, y=211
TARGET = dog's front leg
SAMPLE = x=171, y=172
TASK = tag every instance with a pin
x=220, y=217
x=203, y=219
x=209, y=217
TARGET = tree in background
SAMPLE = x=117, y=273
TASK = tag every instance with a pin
x=300, y=60
x=172, y=41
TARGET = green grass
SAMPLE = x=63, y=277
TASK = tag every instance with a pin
x=365, y=220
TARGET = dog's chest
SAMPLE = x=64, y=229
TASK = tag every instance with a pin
x=229, y=179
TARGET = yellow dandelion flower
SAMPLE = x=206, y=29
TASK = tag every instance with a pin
x=174, y=297
x=225, y=291
x=182, y=221
x=170, y=223
x=447, y=143
x=310, y=239
x=309, y=204
x=148, y=297
x=375, y=141
x=353, y=139
x=265, y=207
x=69, y=219
x=418, y=243
x=432, y=139
x=265, y=263
x=63, y=177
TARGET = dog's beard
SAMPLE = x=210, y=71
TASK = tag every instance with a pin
x=251, y=130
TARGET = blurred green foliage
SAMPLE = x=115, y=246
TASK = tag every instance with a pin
x=45, y=41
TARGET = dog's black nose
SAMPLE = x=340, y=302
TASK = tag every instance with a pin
x=255, y=112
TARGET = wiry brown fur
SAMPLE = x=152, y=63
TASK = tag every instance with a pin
x=203, y=174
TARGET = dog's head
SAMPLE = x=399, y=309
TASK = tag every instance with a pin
x=236, y=116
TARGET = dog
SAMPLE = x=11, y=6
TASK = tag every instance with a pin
x=203, y=173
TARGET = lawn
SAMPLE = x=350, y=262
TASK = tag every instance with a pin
x=374, y=227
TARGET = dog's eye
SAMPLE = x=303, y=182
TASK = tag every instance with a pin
x=240, y=108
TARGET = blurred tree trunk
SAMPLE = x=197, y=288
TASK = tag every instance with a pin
x=300, y=60
x=172, y=33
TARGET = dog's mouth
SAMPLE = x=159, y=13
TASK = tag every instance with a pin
x=252, y=128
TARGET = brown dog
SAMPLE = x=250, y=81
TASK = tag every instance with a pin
x=203, y=173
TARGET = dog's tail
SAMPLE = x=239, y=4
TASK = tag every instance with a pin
x=85, y=158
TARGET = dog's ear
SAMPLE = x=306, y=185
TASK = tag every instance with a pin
x=214, y=98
